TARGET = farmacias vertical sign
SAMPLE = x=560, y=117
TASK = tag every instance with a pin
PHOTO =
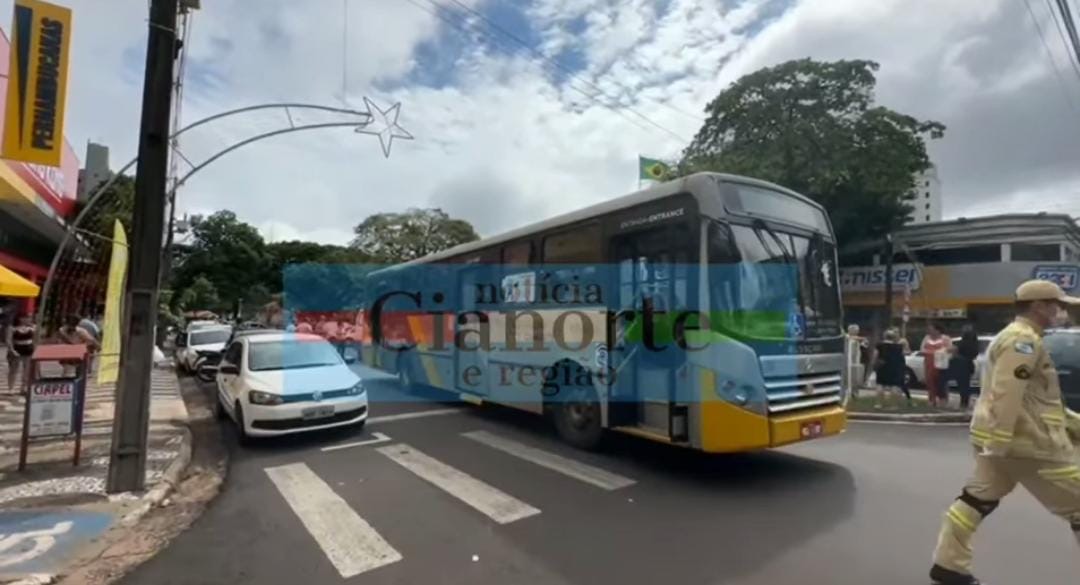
x=37, y=83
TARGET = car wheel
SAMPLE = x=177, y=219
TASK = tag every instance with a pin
x=241, y=431
x=576, y=414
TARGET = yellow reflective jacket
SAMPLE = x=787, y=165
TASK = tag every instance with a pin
x=1020, y=412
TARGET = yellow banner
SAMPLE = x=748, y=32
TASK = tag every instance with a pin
x=37, y=83
x=109, y=365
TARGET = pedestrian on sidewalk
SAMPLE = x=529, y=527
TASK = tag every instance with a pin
x=1021, y=433
x=890, y=367
x=20, y=347
x=936, y=349
x=962, y=367
x=71, y=333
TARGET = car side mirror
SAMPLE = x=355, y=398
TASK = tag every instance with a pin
x=231, y=369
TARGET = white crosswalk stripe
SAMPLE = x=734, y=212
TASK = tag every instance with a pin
x=348, y=541
x=581, y=471
x=495, y=504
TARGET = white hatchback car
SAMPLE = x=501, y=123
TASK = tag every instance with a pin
x=201, y=341
x=281, y=383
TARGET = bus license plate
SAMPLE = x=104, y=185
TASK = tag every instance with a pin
x=317, y=412
x=812, y=429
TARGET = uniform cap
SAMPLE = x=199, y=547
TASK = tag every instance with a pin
x=1043, y=290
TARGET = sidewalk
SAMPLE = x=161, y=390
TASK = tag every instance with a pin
x=53, y=509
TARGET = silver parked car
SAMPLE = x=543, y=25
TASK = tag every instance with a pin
x=916, y=373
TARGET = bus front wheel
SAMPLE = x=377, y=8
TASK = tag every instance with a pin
x=577, y=417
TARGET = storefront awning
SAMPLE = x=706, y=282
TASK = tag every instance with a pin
x=13, y=285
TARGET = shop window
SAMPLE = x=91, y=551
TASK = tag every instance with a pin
x=1036, y=252
x=965, y=255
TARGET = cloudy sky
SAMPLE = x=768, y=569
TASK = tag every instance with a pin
x=504, y=138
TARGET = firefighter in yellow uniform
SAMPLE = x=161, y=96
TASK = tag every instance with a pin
x=1021, y=431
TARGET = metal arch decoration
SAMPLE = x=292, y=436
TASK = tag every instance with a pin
x=360, y=122
x=389, y=128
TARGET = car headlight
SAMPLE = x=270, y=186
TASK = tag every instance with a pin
x=264, y=398
x=357, y=389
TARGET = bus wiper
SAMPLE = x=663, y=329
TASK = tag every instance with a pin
x=788, y=258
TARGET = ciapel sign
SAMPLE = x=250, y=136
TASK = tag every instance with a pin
x=1066, y=276
x=872, y=278
x=52, y=407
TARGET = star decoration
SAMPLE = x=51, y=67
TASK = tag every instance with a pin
x=384, y=125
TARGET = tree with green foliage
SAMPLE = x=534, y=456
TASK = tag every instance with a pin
x=201, y=295
x=398, y=237
x=813, y=127
x=226, y=252
x=116, y=203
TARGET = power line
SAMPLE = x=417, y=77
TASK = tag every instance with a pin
x=1070, y=27
x=463, y=27
x=1064, y=39
x=1053, y=62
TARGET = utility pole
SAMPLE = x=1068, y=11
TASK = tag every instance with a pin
x=888, y=282
x=127, y=459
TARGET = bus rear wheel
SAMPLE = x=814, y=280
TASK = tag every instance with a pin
x=576, y=413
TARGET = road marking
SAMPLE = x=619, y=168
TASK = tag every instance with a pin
x=410, y=415
x=348, y=541
x=581, y=471
x=379, y=438
x=497, y=505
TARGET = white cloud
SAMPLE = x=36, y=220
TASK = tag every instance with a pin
x=503, y=145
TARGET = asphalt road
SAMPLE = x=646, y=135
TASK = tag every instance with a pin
x=431, y=505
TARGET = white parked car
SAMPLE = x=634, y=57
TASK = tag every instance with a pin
x=916, y=373
x=281, y=383
x=194, y=343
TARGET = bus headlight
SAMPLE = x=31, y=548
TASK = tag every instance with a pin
x=742, y=395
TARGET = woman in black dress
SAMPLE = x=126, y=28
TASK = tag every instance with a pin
x=890, y=366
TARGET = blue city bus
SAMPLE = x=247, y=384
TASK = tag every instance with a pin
x=703, y=312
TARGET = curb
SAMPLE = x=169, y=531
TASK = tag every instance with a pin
x=169, y=479
x=943, y=417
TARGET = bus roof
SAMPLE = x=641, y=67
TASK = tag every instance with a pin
x=688, y=184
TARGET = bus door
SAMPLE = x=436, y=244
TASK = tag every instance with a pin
x=470, y=355
x=650, y=271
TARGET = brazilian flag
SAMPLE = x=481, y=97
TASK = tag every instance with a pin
x=652, y=169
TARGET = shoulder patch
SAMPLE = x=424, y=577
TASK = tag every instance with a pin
x=1022, y=373
x=1024, y=347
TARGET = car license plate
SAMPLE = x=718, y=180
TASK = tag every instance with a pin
x=317, y=412
x=812, y=429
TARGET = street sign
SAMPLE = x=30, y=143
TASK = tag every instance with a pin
x=1067, y=277
x=51, y=406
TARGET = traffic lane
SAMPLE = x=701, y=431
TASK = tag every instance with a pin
x=905, y=478
x=877, y=493
x=758, y=518
x=386, y=397
x=689, y=516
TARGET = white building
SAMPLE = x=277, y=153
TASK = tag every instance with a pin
x=927, y=202
x=96, y=170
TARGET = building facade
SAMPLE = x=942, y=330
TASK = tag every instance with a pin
x=928, y=198
x=958, y=271
x=36, y=203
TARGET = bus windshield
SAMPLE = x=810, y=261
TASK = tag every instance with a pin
x=772, y=283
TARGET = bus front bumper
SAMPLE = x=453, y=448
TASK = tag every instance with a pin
x=803, y=426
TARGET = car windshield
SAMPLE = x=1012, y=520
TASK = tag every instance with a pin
x=1064, y=348
x=209, y=336
x=291, y=355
